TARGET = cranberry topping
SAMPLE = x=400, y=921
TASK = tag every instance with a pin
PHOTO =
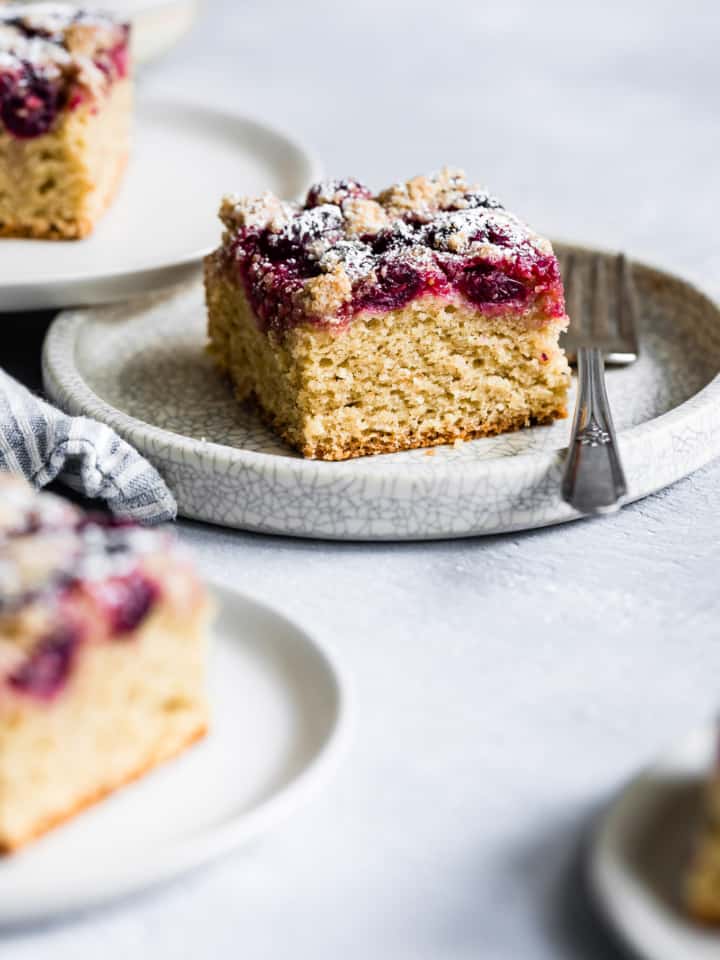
x=30, y=107
x=482, y=283
x=42, y=74
x=382, y=254
x=126, y=601
x=396, y=285
x=48, y=667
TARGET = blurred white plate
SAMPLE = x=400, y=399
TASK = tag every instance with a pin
x=165, y=218
x=640, y=850
x=277, y=711
x=157, y=24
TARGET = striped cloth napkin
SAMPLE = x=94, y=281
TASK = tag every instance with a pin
x=44, y=444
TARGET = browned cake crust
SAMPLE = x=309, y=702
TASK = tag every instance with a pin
x=62, y=816
x=409, y=441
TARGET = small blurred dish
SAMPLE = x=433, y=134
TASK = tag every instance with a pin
x=640, y=854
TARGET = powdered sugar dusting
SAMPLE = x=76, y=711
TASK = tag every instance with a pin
x=314, y=230
x=355, y=257
x=347, y=250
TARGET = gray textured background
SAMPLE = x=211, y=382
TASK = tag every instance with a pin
x=504, y=687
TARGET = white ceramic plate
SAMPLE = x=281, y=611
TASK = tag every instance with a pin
x=141, y=368
x=278, y=708
x=165, y=216
x=640, y=850
x=157, y=24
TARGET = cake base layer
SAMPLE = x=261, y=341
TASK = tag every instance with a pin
x=130, y=705
x=419, y=439
x=430, y=373
x=57, y=186
x=10, y=845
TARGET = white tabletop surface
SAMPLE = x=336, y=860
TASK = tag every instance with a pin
x=504, y=687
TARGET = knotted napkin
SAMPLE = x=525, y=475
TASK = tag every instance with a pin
x=45, y=444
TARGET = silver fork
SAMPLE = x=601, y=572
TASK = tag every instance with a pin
x=602, y=329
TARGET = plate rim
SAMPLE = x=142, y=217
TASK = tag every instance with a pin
x=66, y=386
x=158, y=275
x=603, y=863
x=135, y=877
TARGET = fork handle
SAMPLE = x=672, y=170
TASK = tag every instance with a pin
x=593, y=481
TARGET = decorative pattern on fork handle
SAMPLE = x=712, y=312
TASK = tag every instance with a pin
x=593, y=434
x=593, y=482
x=603, y=309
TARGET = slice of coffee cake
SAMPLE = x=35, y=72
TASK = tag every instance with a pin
x=369, y=324
x=65, y=110
x=102, y=648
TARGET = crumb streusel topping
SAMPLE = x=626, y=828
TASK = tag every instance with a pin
x=53, y=56
x=59, y=567
x=345, y=250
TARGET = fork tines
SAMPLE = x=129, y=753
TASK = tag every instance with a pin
x=602, y=306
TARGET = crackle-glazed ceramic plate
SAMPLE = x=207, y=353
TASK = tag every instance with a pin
x=279, y=721
x=141, y=368
x=640, y=852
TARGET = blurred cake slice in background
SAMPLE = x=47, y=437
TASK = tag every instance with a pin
x=102, y=657
x=65, y=117
x=363, y=323
x=702, y=882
